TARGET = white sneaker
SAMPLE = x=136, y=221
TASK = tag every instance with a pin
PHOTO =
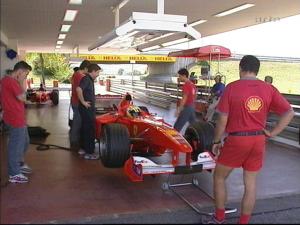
x=91, y=156
x=25, y=169
x=19, y=178
x=81, y=152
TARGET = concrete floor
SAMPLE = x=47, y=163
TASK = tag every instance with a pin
x=64, y=187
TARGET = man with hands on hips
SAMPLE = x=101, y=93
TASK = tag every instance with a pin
x=243, y=110
x=87, y=110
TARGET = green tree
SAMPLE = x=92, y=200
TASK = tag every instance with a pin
x=49, y=66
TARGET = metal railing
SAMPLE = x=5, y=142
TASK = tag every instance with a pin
x=150, y=93
x=291, y=134
x=163, y=94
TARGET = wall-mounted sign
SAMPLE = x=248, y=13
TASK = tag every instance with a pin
x=126, y=58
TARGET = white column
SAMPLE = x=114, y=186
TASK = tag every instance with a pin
x=5, y=62
x=22, y=55
x=160, y=6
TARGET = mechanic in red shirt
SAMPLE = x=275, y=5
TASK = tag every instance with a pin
x=76, y=123
x=186, y=110
x=13, y=96
x=243, y=111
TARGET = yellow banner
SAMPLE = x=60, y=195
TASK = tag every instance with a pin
x=126, y=58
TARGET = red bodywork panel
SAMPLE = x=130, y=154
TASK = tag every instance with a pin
x=149, y=134
x=157, y=135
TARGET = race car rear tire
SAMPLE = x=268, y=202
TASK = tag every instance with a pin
x=200, y=135
x=54, y=97
x=114, y=145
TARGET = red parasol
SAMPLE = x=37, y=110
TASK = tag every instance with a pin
x=209, y=52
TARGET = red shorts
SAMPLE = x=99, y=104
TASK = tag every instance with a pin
x=243, y=151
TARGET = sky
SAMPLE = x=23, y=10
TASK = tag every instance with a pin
x=276, y=38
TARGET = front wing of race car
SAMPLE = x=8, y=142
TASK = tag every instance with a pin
x=136, y=167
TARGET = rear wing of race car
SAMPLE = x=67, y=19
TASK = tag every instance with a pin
x=107, y=103
x=136, y=167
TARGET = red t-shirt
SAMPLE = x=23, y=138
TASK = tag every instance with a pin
x=13, y=108
x=76, y=78
x=189, y=89
x=247, y=104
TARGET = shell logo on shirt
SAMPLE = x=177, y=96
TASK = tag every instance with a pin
x=254, y=104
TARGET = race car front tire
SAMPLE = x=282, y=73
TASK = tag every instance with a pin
x=114, y=145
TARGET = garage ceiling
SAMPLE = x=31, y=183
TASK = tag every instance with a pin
x=36, y=23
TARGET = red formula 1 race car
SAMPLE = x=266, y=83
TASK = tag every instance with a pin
x=42, y=96
x=126, y=139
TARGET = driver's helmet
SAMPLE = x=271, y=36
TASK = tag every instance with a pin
x=133, y=111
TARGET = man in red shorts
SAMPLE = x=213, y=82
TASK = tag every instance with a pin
x=243, y=111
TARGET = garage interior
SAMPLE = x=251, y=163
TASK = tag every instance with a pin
x=66, y=189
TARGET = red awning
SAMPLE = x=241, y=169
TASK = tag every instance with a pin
x=213, y=52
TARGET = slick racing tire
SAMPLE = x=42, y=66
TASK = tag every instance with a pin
x=200, y=136
x=54, y=96
x=114, y=145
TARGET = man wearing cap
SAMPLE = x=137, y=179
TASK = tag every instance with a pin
x=243, y=110
x=216, y=92
x=269, y=79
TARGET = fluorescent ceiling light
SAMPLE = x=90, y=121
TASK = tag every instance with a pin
x=128, y=35
x=62, y=36
x=197, y=22
x=151, y=48
x=75, y=2
x=175, y=42
x=65, y=28
x=234, y=10
x=70, y=15
x=58, y=46
x=59, y=42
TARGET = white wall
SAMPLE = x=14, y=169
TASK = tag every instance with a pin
x=170, y=68
x=6, y=63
